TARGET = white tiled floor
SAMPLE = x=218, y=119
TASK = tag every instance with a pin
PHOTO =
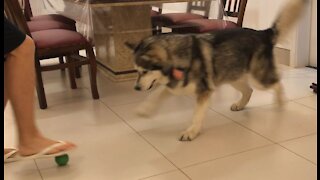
x=258, y=143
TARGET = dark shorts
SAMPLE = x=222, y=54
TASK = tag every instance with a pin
x=13, y=37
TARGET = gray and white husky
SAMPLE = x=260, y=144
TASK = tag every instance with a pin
x=239, y=56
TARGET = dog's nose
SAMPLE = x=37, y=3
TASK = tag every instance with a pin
x=138, y=88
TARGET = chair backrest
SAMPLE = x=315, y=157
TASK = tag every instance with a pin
x=235, y=8
x=202, y=6
x=158, y=7
x=14, y=13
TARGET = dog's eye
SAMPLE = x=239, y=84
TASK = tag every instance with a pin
x=144, y=72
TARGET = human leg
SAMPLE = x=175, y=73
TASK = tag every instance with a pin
x=19, y=83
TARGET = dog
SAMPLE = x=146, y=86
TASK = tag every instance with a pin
x=241, y=57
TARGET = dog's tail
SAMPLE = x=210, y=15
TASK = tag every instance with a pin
x=287, y=18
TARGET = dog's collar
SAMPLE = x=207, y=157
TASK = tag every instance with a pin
x=178, y=73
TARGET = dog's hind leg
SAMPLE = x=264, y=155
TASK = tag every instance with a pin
x=246, y=91
x=152, y=102
x=277, y=87
x=198, y=116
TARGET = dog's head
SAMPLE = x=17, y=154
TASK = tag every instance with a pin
x=151, y=63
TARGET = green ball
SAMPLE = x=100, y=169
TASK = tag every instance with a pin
x=62, y=160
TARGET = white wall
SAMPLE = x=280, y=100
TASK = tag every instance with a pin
x=37, y=7
x=313, y=41
x=252, y=14
x=274, y=7
x=300, y=41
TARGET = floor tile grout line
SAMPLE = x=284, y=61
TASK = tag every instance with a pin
x=271, y=139
x=304, y=97
x=146, y=141
x=228, y=155
x=291, y=139
x=296, y=154
x=157, y=174
x=315, y=109
x=257, y=133
x=39, y=171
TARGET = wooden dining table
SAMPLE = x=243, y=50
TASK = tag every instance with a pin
x=114, y=22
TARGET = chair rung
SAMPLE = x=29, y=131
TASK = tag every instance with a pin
x=81, y=62
x=78, y=57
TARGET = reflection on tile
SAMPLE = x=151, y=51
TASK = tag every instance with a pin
x=271, y=162
x=292, y=121
x=225, y=96
x=114, y=94
x=299, y=87
x=218, y=138
x=107, y=147
x=23, y=170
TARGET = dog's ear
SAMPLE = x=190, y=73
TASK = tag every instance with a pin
x=131, y=45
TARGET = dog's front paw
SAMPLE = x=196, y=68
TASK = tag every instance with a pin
x=236, y=107
x=189, y=134
x=143, y=112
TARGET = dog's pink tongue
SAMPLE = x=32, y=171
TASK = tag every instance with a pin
x=177, y=74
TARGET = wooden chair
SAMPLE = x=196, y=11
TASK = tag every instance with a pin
x=154, y=14
x=232, y=8
x=172, y=20
x=48, y=21
x=55, y=17
x=45, y=22
x=55, y=43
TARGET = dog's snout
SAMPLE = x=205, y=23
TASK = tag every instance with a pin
x=138, y=88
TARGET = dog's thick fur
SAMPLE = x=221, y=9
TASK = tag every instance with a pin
x=236, y=56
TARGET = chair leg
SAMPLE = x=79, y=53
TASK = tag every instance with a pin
x=61, y=61
x=159, y=30
x=92, y=66
x=78, y=70
x=71, y=71
x=39, y=86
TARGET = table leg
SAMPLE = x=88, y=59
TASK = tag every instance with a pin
x=113, y=26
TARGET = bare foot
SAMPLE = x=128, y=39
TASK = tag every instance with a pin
x=40, y=143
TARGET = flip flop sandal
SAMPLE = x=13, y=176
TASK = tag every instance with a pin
x=60, y=157
x=11, y=156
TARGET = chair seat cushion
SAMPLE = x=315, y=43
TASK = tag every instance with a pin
x=174, y=18
x=55, y=17
x=203, y=25
x=48, y=24
x=57, y=38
